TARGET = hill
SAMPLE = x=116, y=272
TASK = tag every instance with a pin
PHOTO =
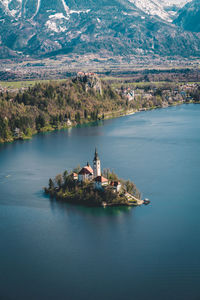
x=55, y=105
x=189, y=17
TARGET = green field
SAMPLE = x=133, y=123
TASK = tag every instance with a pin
x=115, y=82
x=23, y=84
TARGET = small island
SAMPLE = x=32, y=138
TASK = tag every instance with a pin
x=89, y=186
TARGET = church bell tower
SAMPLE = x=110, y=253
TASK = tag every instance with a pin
x=96, y=165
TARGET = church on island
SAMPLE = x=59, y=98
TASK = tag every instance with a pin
x=94, y=174
x=90, y=186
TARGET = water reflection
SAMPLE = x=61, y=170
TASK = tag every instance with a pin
x=86, y=210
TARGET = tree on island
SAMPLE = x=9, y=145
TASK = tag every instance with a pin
x=110, y=174
x=66, y=188
x=65, y=175
x=77, y=169
x=51, y=184
x=59, y=180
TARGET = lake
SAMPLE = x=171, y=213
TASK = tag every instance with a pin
x=50, y=250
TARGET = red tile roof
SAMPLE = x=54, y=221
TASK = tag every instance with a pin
x=101, y=179
x=86, y=170
x=89, y=169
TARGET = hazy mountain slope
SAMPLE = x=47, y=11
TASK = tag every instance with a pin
x=40, y=27
x=189, y=16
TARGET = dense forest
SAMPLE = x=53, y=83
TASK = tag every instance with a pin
x=82, y=99
x=55, y=105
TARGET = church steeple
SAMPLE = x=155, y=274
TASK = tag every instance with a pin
x=96, y=164
x=96, y=155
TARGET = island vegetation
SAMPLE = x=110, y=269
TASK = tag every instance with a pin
x=64, y=187
x=90, y=186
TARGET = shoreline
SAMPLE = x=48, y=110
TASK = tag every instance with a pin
x=108, y=116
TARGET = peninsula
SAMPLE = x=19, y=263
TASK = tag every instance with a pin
x=89, y=186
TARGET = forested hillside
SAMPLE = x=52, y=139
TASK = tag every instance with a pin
x=56, y=105
x=83, y=99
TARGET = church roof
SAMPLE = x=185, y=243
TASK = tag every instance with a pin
x=86, y=170
x=101, y=179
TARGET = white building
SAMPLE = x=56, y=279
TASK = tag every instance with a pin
x=94, y=175
x=129, y=94
x=116, y=186
x=96, y=165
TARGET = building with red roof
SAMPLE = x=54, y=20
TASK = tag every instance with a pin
x=116, y=185
x=85, y=174
x=100, y=182
x=88, y=174
x=74, y=176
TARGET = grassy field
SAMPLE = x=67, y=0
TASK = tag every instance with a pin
x=126, y=82
x=23, y=84
x=115, y=82
x=140, y=85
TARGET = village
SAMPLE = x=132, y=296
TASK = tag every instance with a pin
x=162, y=95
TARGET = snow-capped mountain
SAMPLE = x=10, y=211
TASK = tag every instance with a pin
x=179, y=3
x=11, y=7
x=117, y=27
x=159, y=8
x=30, y=9
x=152, y=7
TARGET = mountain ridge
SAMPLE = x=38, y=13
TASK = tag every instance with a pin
x=189, y=17
x=37, y=28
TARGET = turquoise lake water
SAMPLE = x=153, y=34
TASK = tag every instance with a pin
x=50, y=250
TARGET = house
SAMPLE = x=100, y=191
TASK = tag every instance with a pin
x=85, y=174
x=129, y=94
x=17, y=132
x=100, y=182
x=116, y=185
x=69, y=123
x=74, y=176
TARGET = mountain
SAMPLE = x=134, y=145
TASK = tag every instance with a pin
x=21, y=8
x=163, y=9
x=189, y=17
x=108, y=27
